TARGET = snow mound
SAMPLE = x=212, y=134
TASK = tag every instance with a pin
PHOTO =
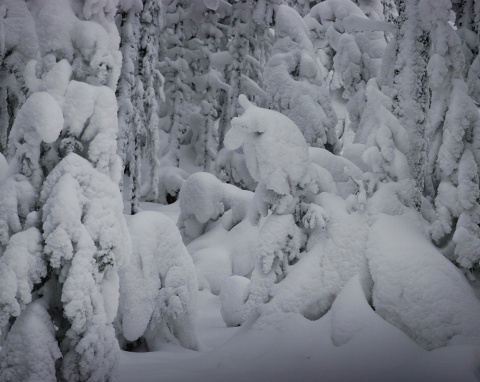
x=415, y=287
x=232, y=296
x=167, y=181
x=334, y=255
x=219, y=253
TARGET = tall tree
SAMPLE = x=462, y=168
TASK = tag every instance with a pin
x=66, y=225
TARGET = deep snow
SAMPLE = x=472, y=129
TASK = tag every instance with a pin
x=351, y=342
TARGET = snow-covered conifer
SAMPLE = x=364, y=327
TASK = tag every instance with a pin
x=178, y=91
x=386, y=146
x=278, y=158
x=294, y=81
x=130, y=121
x=140, y=95
x=411, y=97
x=86, y=240
x=62, y=184
x=18, y=45
x=249, y=23
x=159, y=286
x=354, y=46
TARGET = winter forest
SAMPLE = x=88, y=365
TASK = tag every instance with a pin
x=239, y=190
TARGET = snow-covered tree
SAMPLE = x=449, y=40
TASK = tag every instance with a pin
x=354, y=44
x=411, y=97
x=208, y=81
x=176, y=70
x=278, y=158
x=386, y=145
x=86, y=240
x=159, y=286
x=466, y=30
x=294, y=81
x=140, y=93
x=247, y=43
x=470, y=14
x=65, y=207
x=18, y=45
x=130, y=91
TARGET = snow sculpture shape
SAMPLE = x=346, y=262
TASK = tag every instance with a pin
x=276, y=151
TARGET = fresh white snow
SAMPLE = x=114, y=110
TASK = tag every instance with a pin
x=351, y=342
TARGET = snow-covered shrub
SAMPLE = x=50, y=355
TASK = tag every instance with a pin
x=276, y=152
x=333, y=255
x=213, y=266
x=233, y=296
x=203, y=198
x=338, y=172
x=221, y=253
x=230, y=167
x=159, y=287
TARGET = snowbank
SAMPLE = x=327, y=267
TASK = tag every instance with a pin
x=415, y=287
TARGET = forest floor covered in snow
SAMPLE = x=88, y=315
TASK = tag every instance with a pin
x=351, y=342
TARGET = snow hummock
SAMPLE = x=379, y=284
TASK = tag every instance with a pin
x=415, y=287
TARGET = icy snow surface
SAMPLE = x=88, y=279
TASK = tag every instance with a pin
x=351, y=342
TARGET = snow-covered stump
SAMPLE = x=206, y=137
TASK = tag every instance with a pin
x=233, y=295
x=159, y=287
